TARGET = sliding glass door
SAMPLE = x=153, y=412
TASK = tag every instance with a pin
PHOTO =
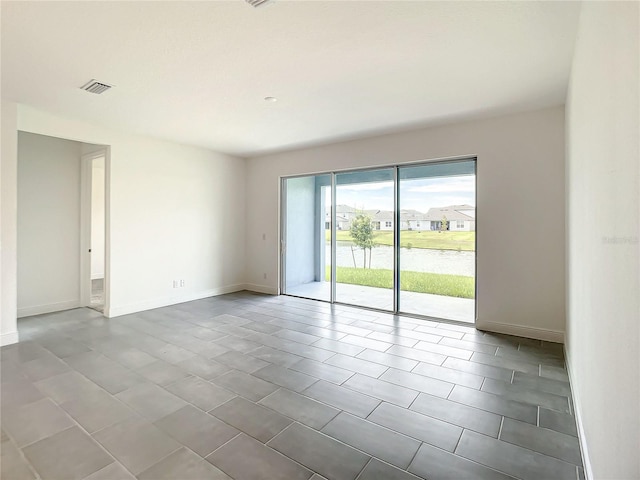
x=399, y=239
x=306, y=231
x=437, y=240
x=364, y=238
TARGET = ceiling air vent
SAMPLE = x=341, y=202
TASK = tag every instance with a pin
x=256, y=3
x=94, y=86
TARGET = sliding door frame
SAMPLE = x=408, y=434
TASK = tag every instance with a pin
x=282, y=249
x=334, y=240
x=396, y=234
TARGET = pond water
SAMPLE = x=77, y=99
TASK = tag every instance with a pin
x=414, y=259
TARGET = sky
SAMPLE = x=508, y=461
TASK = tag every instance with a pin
x=415, y=194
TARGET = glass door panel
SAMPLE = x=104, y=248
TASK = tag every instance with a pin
x=365, y=238
x=307, y=237
x=437, y=240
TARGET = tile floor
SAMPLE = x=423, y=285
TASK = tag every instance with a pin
x=247, y=386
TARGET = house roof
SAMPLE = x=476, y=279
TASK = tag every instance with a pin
x=385, y=215
x=345, y=209
x=452, y=212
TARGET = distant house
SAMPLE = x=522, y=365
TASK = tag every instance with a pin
x=382, y=219
x=347, y=211
x=344, y=215
x=460, y=218
x=413, y=220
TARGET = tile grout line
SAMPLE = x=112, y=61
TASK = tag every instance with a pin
x=500, y=429
x=293, y=459
x=240, y=432
x=22, y=454
x=458, y=442
x=364, y=468
x=418, y=450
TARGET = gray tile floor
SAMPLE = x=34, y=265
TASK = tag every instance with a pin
x=247, y=386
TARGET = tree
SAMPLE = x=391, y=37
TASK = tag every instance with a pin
x=444, y=224
x=362, y=233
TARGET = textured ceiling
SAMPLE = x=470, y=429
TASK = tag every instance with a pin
x=197, y=72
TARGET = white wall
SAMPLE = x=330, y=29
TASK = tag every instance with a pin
x=48, y=224
x=521, y=269
x=8, y=237
x=603, y=263
x=175, y=212
x=97, y=218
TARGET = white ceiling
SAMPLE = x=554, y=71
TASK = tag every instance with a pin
x=198, y=72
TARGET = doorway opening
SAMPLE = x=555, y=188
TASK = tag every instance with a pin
x=55, y=182
x=94, y=223
x=401, y=239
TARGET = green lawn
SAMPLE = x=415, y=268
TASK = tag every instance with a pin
x=435, y=283
x=413, y=239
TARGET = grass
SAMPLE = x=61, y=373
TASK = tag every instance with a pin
x=461, y=241
x=421, y=282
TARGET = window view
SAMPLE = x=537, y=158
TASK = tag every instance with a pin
x=364, y=238
x=437, y=240
x=435, y=256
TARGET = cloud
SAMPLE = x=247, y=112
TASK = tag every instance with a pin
x=419, y=194
x=466, y=184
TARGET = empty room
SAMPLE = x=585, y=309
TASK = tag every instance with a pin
x=339, y=240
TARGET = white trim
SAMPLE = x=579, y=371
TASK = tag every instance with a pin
x=116, y=311
x=86, y=183
x=107, y=231
x=97, y=276
x=85, y=227
x=49, y=308
x=253, y=287
x=9, y=338
x=586, y=460
x=555, y=336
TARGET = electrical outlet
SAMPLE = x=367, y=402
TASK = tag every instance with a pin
x=175, y=284
x=182, y=283
x=264, y=275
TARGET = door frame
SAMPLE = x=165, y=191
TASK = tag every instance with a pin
x=86, y=166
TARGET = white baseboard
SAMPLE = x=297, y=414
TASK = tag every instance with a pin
x=49, y=308
x=119, y=310
x=9, y=338
x=253, y=287
x=555, y=336
x=97, y=276
x=577, y=412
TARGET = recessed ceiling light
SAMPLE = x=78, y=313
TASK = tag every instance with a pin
x=270, y=99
